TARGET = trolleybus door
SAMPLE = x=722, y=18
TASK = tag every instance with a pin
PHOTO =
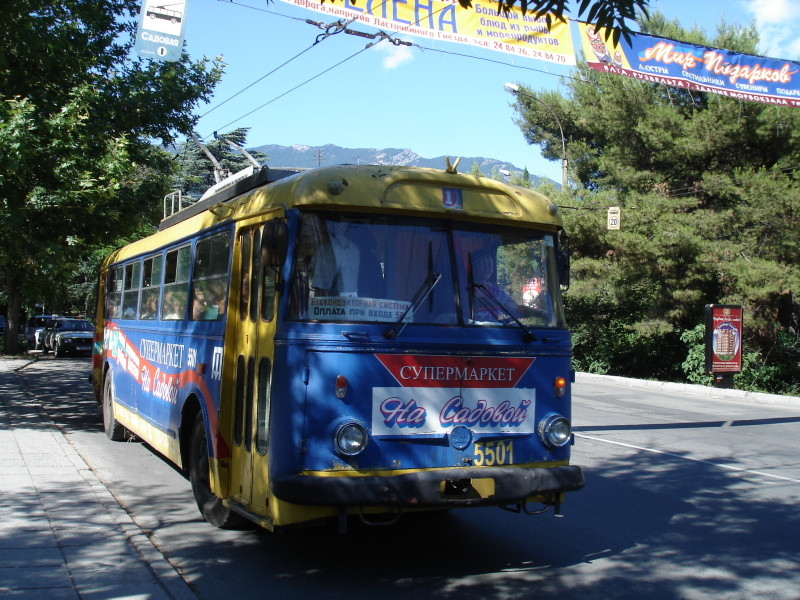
x=254, y=352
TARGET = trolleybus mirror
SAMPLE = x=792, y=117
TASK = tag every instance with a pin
x=563, y=260
x=274, y=244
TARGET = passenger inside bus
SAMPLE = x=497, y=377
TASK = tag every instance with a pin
x=149, y=304
x=174, y=305
x=199, y=305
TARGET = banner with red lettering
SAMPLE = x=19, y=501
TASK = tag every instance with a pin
x=437, y=394
x=692, y=67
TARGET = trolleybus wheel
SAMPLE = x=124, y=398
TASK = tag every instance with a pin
x=210, y=506
x=114, y=430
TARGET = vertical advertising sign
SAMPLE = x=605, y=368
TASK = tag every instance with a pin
x=723, y=338
x=160, y=34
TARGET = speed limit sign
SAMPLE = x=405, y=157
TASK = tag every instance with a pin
x=613, y=217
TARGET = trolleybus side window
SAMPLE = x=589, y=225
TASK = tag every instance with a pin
x=114, y=293
x=262, y=425
x=176, y=280
x=130, y=294
x=210, y=278
x=244, y=293
x=255, y=267
x=151, y=287
x=238, y=402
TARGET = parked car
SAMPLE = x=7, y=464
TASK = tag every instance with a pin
x=33, y=330
x=68, y=336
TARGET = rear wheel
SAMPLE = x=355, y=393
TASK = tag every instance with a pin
x=210, y=506
x=114, y=430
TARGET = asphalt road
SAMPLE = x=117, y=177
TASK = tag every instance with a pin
x=686, y=498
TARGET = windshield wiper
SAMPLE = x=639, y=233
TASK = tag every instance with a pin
x=419, y=297
x=491, y=301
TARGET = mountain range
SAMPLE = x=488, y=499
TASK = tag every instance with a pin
x=330, y=154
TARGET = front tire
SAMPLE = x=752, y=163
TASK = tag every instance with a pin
x=211, y=507
x=114, y=430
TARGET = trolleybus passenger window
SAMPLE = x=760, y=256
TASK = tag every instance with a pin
x=238, y=402
x=262, y=424
x=114, y=293
x=248, y=403
x=176, y=280
x=210, y=278
x=130, y=295
x=268, y=287
x=244, y=268
x=255, y=267
x=151, y=287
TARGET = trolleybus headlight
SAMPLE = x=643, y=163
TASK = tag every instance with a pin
x=350, y=438
x=554, y=430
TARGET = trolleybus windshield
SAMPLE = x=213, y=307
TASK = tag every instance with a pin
x=389, y=270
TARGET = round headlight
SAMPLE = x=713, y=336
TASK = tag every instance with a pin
x=555, y=430
x=350, y=438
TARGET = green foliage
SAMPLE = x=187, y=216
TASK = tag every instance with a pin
x=604, y=13
x=195, y=171
x=757, y=374
x=710, y=202
x=694, y=366
x=78, y=169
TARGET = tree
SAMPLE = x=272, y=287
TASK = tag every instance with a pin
x=78, y=165
x=613, y=15
x=708, y=188
x=195, y=172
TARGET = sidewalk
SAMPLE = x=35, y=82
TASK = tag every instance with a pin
x=62, y=533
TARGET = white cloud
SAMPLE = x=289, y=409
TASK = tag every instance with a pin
x=395, y=55
x=776, y=21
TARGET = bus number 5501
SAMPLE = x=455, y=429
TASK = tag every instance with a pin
x=489, y=454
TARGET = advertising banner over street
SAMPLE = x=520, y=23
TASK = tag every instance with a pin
x=526, y=35
x=692, y=67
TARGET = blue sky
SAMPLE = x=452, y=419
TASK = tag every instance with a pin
x=436, y=98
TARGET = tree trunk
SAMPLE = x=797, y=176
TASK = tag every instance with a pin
x=13, y=317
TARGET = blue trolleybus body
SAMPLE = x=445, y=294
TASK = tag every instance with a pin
x=346, y=340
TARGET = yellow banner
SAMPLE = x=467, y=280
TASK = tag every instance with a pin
x=525, y=36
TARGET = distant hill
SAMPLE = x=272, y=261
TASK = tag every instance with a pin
x=329, y=154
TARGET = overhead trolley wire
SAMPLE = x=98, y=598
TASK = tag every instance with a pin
x=337, y=27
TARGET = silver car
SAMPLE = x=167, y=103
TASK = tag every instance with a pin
x=68, y=336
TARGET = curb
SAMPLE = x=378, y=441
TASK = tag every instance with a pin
x=701, y=391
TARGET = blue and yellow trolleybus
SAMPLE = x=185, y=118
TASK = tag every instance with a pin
x=347, y=340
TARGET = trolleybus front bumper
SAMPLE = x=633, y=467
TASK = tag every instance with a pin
x=478, y=486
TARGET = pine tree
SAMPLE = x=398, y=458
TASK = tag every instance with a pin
x=709, y=192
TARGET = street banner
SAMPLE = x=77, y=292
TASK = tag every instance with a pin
x=723, y=338
x=160, y=32
x=697, y=68
x=525, y=35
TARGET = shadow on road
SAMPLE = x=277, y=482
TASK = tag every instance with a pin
x=646, y=525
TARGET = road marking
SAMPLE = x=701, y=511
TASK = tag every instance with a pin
x=697, y=460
